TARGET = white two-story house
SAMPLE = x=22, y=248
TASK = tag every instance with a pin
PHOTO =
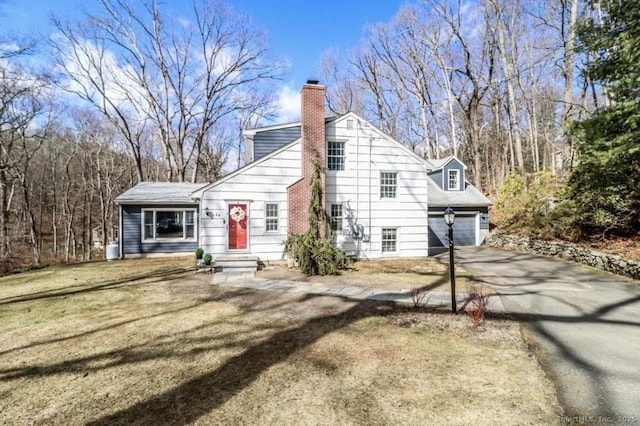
x=386, y=201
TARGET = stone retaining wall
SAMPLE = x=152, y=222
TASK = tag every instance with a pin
x=568, y=251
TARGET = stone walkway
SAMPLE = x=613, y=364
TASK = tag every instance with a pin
x=433, y=298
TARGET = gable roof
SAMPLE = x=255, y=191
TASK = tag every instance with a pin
x=159, y=193
x=384, y=136
x=439, y=163
x=197, y=193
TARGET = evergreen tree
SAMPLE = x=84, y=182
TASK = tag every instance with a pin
x=314, y=253
x=604, y=188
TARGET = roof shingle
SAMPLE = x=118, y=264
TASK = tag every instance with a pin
x=160, y=192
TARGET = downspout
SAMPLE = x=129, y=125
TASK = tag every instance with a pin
x=370, y=149
x=357, y=172
x=120, y=243
x=426, y=173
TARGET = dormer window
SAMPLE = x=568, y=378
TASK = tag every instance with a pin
x=453, y=181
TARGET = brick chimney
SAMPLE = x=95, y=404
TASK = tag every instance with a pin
x=313, y=149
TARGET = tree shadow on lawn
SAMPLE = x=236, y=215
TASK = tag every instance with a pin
x=195, y=398
x=149, y=350
x=191, y=400
x=95, y=330
x=187, y=402
x=76, y=289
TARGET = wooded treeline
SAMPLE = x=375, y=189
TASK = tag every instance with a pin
x=492, y=81
x=133, y=94
x=137, y=94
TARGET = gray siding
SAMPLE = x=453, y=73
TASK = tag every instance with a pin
x=270, y=140
x=132, y=229
x=437, y=178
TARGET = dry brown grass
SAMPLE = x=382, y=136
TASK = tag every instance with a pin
x=93, y=344
x=391, y=274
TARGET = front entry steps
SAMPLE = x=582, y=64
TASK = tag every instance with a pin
x=231, y=264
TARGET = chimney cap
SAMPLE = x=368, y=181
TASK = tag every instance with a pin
x=312, y=81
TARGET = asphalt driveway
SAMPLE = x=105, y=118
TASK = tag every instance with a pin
x=585, y=324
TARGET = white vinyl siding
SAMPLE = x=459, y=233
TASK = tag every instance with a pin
x=368, y=153
x=365, y=153
x=258, y=184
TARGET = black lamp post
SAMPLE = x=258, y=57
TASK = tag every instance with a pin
x=449, y=218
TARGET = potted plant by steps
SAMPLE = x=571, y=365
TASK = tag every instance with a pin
x=199, y=253
x=207, y=259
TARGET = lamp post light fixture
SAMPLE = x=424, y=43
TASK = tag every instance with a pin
x=449, y=219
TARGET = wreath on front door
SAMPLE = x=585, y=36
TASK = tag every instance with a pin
x=237, y=213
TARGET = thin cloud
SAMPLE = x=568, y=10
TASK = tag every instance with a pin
x=288, y=105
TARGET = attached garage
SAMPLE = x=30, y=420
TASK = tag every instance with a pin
x=448, y=188
x=465, y=230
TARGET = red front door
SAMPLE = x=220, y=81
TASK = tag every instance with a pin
x=238, y=216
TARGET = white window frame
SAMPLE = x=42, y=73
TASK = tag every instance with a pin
x=271, y=219
x=337, y=223
x=341, y=159
x=455, y=180
x=154, y=212
x=387, y=188
x=395, y=241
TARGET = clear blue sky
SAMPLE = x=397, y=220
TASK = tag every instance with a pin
x=299, y=30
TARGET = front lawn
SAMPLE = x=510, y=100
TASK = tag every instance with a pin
x=148, y=342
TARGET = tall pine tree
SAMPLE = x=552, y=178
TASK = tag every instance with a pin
x=604, y=187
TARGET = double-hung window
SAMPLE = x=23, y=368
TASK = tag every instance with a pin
x=336, y=217
x=168, y=224
x=271, y=217
x=335, y=155
x=388, y=184
x=453, y=180
x=389, y=240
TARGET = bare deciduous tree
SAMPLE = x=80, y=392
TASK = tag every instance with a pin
x=23, y=102
x=164, y=80
x=343, y=92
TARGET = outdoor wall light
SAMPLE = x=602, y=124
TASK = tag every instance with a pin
x=208, y=212
x=449, y=219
